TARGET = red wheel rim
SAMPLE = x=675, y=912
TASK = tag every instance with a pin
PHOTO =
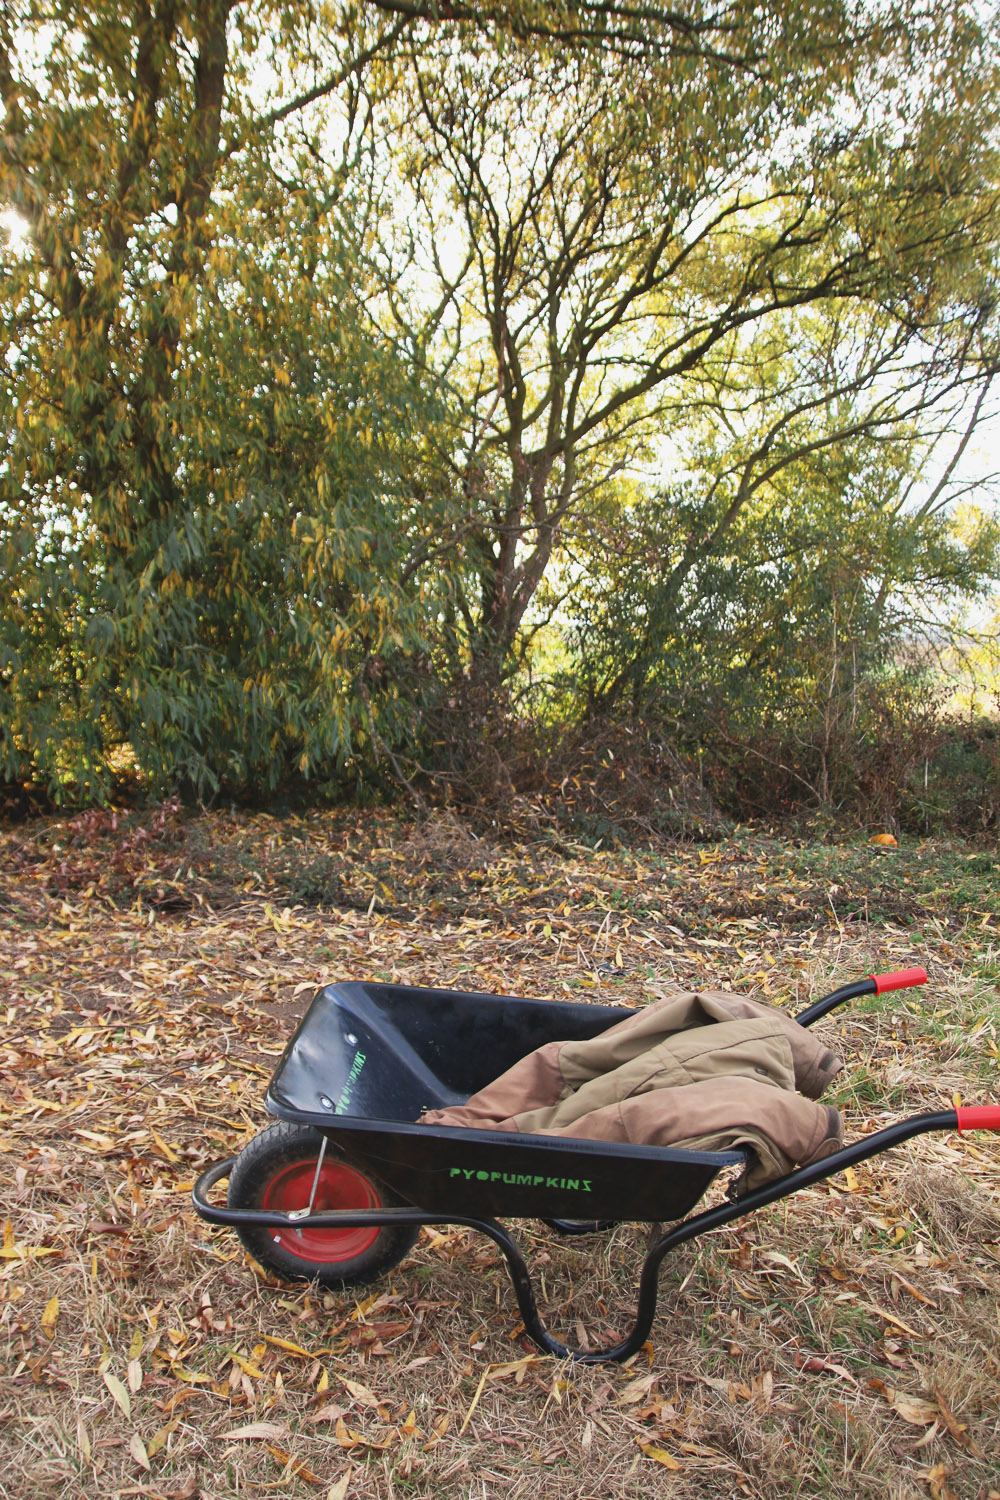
x=339, y=1186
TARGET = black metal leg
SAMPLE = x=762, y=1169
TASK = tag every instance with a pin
x=516, y=1264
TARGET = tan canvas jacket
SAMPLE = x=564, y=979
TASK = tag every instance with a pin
x=706, y=1071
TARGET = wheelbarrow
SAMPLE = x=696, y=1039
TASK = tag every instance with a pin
x=335, y=1192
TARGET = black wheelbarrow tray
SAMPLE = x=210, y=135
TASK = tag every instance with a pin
x=336, y=1191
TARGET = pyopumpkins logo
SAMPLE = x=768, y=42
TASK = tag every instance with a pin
x=520, y=1179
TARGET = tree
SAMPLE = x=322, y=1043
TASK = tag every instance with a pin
x=337, y=318
x=204, y=513
x=803, y=652
x=599, y=244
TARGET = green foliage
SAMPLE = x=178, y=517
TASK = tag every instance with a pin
x=825, y=571
x=616, y=261
x=351, y=340
x=206, y=504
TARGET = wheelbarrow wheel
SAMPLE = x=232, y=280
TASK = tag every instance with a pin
x=277, y=1170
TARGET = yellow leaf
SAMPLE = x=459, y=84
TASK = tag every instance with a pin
x=159, y=1438
x=853, y=1184
x=301, y=1470
x=360, y=1392
x=660, y=1456
x=118, y=1391
x=345, y=1436
x=50, y=1317
x=409, y=1427
x=166, y=1150
x=287, y=1344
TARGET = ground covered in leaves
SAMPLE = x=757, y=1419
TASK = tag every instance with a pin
x=844, y=1342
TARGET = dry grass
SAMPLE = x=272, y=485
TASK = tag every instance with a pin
x=843, y=1343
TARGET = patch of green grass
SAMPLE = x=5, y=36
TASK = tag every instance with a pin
x=862, y=1088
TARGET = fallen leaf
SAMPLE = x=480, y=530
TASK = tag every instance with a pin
x=167, y=1152
x=776, y=1258
x=159, y=1438
x=937, y=1478
x=660, y=1455
x=267, y=1430
x=329, y=1412
x=889, y=1317
x=137, y=1448
x=287, y=1345
x=959, y=1430
x=360, y=1392
x=118, y=1392
x=475, y=1402
x=297, y=1467
x=345, y=1436
x=50, y=1317
x=636, y=1390
x=915, y=1409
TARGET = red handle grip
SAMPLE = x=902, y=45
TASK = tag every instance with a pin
x=979, y=1117
x=901, y=979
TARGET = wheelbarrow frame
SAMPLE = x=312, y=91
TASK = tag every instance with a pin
x=702, y=1165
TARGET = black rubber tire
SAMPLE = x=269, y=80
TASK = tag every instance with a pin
x=272, y=1157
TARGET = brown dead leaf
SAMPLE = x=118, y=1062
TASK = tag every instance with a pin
x=137, y=1449
x=914, y=1409
x=889, y=1317
x=288, y=1346
x=345, y=1436
x=269, y=1431
x=159, y=1438
x=294, y=1465
x=636, y=1390
x=958, y=1430
x=329, y=1412
x=937, y=1479
x=359, y=1392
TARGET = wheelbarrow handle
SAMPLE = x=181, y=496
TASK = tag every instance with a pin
x=978, y=1117
x=875, y=984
